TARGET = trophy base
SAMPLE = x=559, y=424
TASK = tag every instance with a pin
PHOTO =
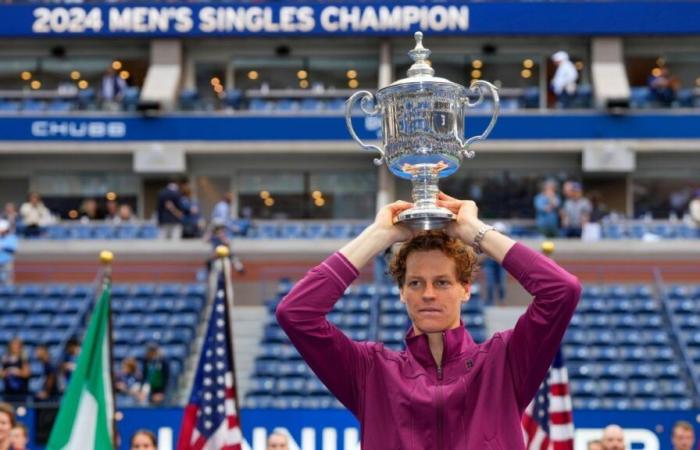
x=431, y=218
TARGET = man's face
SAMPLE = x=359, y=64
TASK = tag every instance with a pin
x=432, y=293
x=682, y=439
x=613, y=439
x=18, y=440
x=277, y=442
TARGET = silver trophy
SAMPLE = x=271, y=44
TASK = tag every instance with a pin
x=423, y=132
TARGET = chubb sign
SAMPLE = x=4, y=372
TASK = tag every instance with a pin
x=78, y=129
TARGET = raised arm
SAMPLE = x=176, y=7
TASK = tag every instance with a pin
x=338, y=361
x=539, y=331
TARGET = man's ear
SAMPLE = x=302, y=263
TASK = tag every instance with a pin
x=467, y=292
x=401, y=299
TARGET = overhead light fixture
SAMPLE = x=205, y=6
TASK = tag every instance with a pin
x=75, y=75
x=477, y=64
x=352, y=73
x=526, y=73
x=83, y=84
x=36, y=84
x=124, y=75
x=528, y=63
x=26, y=75
x=302, y=74
x=116, y=65
x=353, y=84
x=253, y=75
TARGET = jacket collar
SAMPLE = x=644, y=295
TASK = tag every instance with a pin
x=457, y=342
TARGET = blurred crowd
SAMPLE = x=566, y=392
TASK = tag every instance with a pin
x=145, y=380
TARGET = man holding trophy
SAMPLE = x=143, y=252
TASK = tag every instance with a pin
x=444, y=391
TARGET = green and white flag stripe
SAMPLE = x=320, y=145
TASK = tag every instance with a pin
x=85, y=418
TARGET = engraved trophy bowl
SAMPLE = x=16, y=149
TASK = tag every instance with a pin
x=423, y=132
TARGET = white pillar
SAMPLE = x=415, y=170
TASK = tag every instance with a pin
x=386, y=188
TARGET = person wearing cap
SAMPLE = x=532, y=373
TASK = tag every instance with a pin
x=8, y=248
x=565, y=77
x=444, y=391
x=576, y=211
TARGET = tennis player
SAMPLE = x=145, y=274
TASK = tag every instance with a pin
x=444, y=391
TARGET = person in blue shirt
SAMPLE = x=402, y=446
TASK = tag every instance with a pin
x=8, y=248
x=547, y=205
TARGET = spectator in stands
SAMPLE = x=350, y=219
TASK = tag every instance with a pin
x=613, y=438
x=682, y=436
x=576, y=211
x=547, y=209
x=112, y=89
x=124, y=215
x=8, y=248
x=694, y=209
x=170, y=212
x=35, y=216
x=222, y=209
x=128, y=379
x=7, y=422
x=143, y=440
x=192, y=223
x=277, y=440
x=663, y=86
x=15, y=371
x=68, y=361
x=564, y=81
x=111, y=210
x=595, y=444
x=156, y=375
x=219, y=236
x=49, y=387
x=19, y=437
x=10, y=214
x=89, y=211
x=484, y=387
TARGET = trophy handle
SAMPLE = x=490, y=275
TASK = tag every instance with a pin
x=477, y=86
x=365, y=97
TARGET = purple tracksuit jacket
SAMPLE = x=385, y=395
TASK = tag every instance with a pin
x=400, y=399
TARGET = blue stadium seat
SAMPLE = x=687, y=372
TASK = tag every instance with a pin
x=8, y=106
x=143, y=290
x=178, y=336
x=291, y=386
x=274, y=334
x=311, y=105
x=169, y=290
x=161, y=305
x=30, y=290
x=19, y=305
x=259, y=401
x=288, y=401
x=12, y=320
x=38, y=321
x=640, y=97
x=292, y=231
x=262, y=385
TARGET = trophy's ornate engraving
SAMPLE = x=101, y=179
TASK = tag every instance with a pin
x=423, y=131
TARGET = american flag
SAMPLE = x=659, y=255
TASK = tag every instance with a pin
x=211, y=420
x=548, y=422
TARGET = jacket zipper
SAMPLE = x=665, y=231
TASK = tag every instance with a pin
x=440, y=400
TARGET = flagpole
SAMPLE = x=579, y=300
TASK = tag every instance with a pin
x=223, y=253
x=106, y=259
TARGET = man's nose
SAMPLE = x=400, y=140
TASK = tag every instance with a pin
x=429, y=292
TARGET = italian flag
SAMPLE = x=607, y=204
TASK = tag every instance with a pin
x=85, y=417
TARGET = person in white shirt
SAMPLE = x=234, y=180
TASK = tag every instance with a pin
x=564, y=81
x=34, y=215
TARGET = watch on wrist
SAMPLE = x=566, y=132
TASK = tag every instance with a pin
x=480, y=236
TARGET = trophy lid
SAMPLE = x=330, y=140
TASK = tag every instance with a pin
x=421, y=70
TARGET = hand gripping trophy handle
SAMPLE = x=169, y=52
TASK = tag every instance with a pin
x=371, y=110
x=478, y=86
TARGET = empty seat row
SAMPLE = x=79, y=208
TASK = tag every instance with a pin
x=645, y=404
x=616, y=337
x=634, y=388
x=620, y=305
x=616, y=291
x=621, y=370
x=612, y=320
x=608, y=353
x=148, y=305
